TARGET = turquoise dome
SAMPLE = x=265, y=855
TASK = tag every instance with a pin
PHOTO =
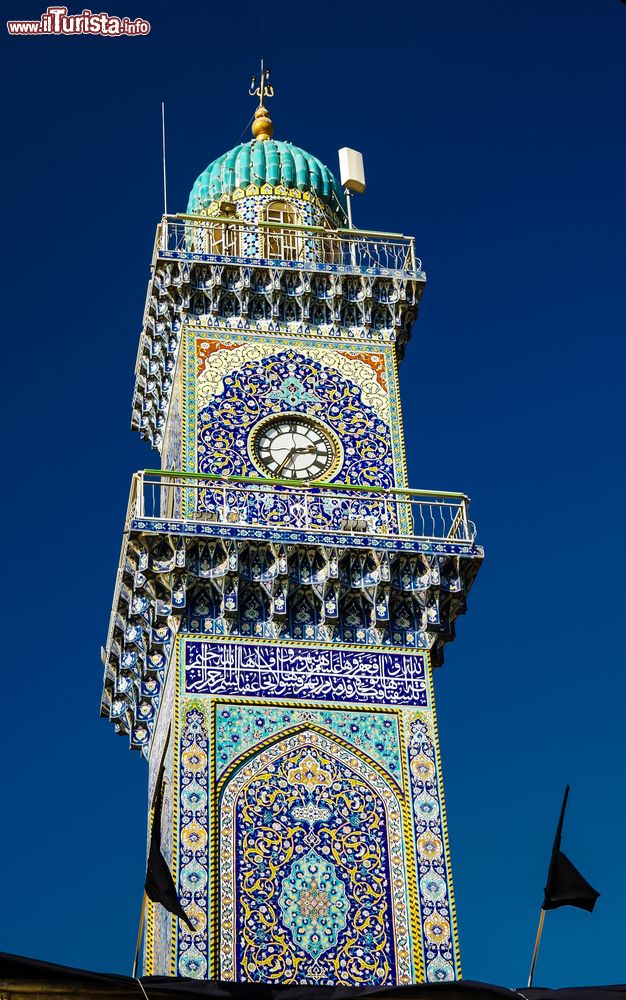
x=265, y=162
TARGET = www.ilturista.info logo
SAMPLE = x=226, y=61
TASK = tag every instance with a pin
x=57, y=21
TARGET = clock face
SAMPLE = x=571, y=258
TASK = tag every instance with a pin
x=292, y=446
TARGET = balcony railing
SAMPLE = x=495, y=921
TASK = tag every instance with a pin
x=276, y=244
x=318, y=507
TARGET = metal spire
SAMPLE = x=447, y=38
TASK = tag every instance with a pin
x=262, y=126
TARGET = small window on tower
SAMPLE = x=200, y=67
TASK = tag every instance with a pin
x=281, y=240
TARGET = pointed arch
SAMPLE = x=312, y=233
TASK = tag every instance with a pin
x=296, y=730
x=357, y=616
x=305, y=613
x=405, y=619
x=205, y=607
x=281, y=240
x=307, y=796
x=255, y=609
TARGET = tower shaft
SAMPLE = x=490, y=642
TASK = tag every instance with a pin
x=283, y=596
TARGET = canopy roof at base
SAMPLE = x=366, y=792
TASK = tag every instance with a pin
x=21, y=977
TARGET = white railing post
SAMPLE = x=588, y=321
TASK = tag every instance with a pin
x=465, y=520
x=352, y=251
x=139, y=498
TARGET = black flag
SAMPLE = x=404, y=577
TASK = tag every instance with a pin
x=160, y=886
x=566, y=886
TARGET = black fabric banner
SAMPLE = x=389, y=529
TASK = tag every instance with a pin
x=159, y=885
x=565, y=885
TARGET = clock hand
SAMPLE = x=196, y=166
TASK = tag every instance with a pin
x=282, y=465
x=297, y=451
x=294, y=451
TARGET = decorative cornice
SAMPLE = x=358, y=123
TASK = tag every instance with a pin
x=254, y=295
x=161, y=565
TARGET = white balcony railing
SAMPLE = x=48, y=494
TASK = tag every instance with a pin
x=275, y=243
x=341, y=509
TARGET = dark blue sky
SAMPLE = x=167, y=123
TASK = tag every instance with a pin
x=494, y=132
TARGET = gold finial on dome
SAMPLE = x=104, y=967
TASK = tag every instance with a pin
x=262, y=126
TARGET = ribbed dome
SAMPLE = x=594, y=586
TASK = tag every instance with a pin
x=269, y=162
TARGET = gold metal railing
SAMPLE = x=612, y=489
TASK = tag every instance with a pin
x=317, y=507
x=278, y=244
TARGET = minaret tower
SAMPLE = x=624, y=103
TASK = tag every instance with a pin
x=282, y=595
